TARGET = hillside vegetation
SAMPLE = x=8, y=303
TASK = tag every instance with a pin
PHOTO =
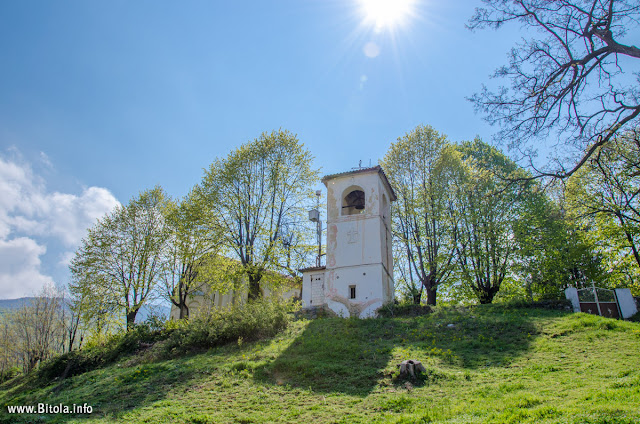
x=485, y=364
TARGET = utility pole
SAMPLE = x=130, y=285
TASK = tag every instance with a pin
x=314, y=216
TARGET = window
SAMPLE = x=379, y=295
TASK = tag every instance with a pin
x=353, y=203
x=352, y=292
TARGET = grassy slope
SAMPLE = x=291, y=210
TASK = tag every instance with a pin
x=493, y=365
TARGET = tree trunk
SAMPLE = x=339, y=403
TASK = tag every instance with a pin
x=486, y=295
x=131, y=319
x=184, y=311
x=431, y=295
x=254, y=288
x=416, y=297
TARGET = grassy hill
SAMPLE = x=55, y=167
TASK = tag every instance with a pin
x=485, y=364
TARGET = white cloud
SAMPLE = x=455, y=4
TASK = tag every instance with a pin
x=65, y=258
x=44, y=159
x=30, y=214
x=68, y=216
x=20, y=268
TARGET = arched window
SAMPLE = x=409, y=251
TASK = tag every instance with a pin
x=353, y=202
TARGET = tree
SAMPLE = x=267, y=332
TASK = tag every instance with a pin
x=37, y=328
x=486, y=211
x=117, y=265
x=8, y=357
x=259, y=195
x=552, y=253
x=568, y=82
x=72, y=321
x=404, y=276
x=419, y=166
x=191, y=248
x=604, y=195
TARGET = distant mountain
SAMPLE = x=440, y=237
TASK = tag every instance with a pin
x=14, y=303
x=146, y=311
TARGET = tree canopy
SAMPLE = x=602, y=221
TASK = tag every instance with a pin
x=258, y=196
x=419, y=166
x=570, y=82
x=117, y=265
x=603, y=199
x=190, y=252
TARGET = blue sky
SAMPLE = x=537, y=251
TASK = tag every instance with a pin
x=103, y=99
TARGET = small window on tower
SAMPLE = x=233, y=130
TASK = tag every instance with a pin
x=352, y=292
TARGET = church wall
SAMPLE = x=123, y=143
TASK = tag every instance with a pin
x=205, y=300
x=370, y=293
x=355, y=241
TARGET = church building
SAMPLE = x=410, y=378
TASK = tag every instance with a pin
x=358, y=276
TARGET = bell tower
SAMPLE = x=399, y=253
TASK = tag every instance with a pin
x=358, y=276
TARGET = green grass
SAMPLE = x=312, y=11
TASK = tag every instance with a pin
x=496, y=364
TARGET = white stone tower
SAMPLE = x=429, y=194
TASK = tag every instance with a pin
x=358, y=276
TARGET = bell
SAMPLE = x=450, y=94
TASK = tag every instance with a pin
x=359, y=207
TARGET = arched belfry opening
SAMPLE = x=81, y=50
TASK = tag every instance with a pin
x=353, y=202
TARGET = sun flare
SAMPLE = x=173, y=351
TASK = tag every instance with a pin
x=386, y=13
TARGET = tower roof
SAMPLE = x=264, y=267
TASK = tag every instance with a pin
x=372, y=169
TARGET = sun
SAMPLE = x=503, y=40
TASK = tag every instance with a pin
x=386, y=13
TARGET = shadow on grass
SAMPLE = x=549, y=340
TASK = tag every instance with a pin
x=332, y=355
x=352, y=356
x=109, y=391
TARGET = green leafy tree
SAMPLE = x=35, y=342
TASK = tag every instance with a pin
x=259, y=195
x=190, y=251
x=487, y=209
x=117, y=266
x=603, y=196
x=552, y=252
x=419, y=166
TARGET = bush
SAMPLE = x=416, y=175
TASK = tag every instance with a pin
x=403, y=310
x=99, y=353
x=9, y=373
x=552, y=304
x=251, y=321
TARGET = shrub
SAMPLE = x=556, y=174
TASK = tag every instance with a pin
x=99, y=353
x=551, y=304
x=247, y=322
x=403, y=310
x=9, y=373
